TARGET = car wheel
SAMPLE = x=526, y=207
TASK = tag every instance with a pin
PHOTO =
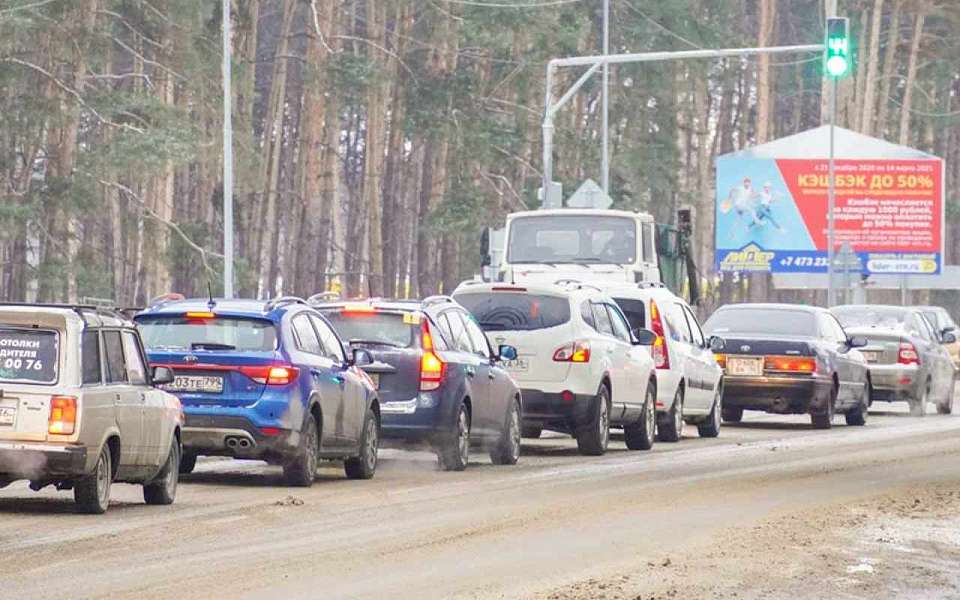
x=454, y=454
x=301, y=471
x=918, y=406
x=824, y=420
x=92, y=492
x=188, y=462
x=163, y=488
x=670, y=427
x=531, y=431
x=858, y=416
x=364, y=465
x=732, y=414
x=594, y=437
x=946, y=407
x=711, y=427
x=507, y=450
x=640, y=435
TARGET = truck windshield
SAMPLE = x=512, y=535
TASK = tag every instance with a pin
x=572, y=239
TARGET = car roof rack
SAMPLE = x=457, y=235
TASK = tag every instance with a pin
x=164, y=299
x=575, y=283
x=282, y=301
x=324, y=297
x=86, y=312
x=436, y=299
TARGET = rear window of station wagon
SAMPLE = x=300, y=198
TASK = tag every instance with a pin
x=29, y=355
x=506, y=311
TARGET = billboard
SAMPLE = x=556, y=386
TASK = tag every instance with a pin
x=771, y=214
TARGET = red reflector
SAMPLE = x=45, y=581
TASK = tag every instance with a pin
x=905, y=381
x=660, y=405
x=566, y=396
x=271, y=431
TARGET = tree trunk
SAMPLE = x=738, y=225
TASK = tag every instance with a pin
x=768, y=17
x=889, y=64
x=873, y=58
x=911, y=78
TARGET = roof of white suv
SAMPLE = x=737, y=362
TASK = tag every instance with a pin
x=567, y=288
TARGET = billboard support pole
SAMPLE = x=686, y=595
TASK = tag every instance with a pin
x=831, y=197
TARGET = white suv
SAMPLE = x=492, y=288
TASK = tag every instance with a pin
x=580, y=368
x=689, y=380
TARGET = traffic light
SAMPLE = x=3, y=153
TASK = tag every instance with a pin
x=837, y=59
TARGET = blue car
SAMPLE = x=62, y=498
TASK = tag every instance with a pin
x=440, y=381
x=265, y=380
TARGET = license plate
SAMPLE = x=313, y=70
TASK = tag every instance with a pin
x=746, y=367
x=871, y=357
x=211, y=384
x=520, y=365
x=8, y=415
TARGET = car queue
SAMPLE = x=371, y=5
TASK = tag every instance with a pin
x=89, y=397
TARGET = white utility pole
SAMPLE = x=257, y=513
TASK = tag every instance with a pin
x=831, y=190
x=605, y=169
x=227, y=157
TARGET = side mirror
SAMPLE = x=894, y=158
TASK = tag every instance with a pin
x=507, y=352
x=643, y=337
x=948, y=337
x=857, y=341
x=949, y=329
x=716, y=343
x=162, y=375
x=360, y=357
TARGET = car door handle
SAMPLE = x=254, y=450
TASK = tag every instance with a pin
x=491, y=375
x=470, y=371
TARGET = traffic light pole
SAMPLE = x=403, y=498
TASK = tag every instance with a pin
x=831, y=198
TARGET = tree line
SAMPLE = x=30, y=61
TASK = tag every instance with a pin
x=374, y=139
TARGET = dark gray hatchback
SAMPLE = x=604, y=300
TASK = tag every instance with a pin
x=440, y=383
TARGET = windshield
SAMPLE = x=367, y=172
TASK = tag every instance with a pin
x=764, y=321
x=28, y=355
x=500, y=311
x=572, y=239
x=375, y=328
x=218, y=333
x=870, y=316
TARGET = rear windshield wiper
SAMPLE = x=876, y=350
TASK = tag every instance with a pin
x=376, y=343
x=493, y=325
x=211, y=346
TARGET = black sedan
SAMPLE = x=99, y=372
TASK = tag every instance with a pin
x=789, y=359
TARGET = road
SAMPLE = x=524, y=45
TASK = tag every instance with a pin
x=552, y=526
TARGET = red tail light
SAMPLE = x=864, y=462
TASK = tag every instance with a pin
x=271, y=374
x=576, y=352
x=432, y=369
x=63, y=415
x=790, y=364
x=908, y=354
x=659, y=351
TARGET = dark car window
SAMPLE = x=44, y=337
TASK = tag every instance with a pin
x=695, y=330
x=586, y=313
x=832, y=330
x=177, y=332
x=763, y=321
x=507, y=311
x=113, y=348
x=635, y=311
x=133, y=357
x=307, y=340
x=375, y=326
x=602, y=319
x=620, y=328
x=329, y=343
x=459, y=339
x=676, y=322
x=29, y=355
x=481, y=346
x=90, y=357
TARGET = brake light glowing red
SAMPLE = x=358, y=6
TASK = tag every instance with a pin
x=432, y=368
x=575, y=352
x=908, y=354
x=63, y=415
x=659, y=350
x=790, y=364
x=358, y=309
x=200, y=315
x=271, y=374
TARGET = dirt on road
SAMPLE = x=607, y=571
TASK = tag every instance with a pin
x=771, y=509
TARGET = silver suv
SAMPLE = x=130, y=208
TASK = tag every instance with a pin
x=78, y=406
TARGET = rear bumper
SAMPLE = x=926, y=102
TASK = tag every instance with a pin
x=41, y=461
x=550, y=411
x=778, y=394
x=892, y=383
x=236, y=436
x=423, y=418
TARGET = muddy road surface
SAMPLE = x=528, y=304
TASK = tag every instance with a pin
x=749, y=514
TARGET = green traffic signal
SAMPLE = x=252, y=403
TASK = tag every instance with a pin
x=837, y=47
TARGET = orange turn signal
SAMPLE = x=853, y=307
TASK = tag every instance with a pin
x=63, y=415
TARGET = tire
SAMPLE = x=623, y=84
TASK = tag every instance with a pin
x=301, y=471
x=531, y=431
x=858, y=416
x=594, y=437
x=163, y=489
x=640, y=435
x=364, y=465
x=507, y=450
x=711, y=427
x=947, y=407
x=454, y=454
x=188, y=462
x=670, y=427
x=824, y=420
x=731, y=414
x=918, y=406
x=92, y=492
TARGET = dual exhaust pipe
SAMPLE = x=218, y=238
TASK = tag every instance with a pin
x=238, y=443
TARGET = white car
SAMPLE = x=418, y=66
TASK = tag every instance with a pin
x=579, y=367
x=689, y=381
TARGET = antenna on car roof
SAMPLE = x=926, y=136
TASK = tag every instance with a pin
x=210, y=303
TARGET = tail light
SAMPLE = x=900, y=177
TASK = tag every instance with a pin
x=200, y=315
x=63, y=415
x=432, y=369
x=576, y=352
x=358, y=310
x=790, y=364
x=659, y=351
x=908, y=354
x=721, y=360
x=271, y=374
